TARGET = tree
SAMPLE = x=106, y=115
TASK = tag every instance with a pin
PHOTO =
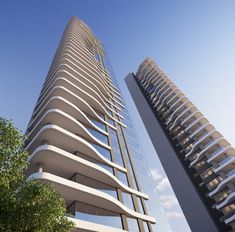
x=25, y=205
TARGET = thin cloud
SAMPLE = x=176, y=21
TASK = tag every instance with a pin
x=155, y=174
x=168, y=201
x=162, y=182
x=174, y=214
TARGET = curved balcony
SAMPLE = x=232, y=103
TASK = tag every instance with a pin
x=147, y=77
x=64, y=70
x=65, y=121
x=79, y=92
x=227, y=200
x=204, y=150
x=164, y=94
x=163, y=89
x=83, y=67
x=61, y=103
x=217, y=155
x=65, y=164
x=205, y=127
x=69, y=47
x=182, y=104
x=230, y=219
x=72, y=191
x=65, y=140
x=213, y=134
x=196, y=114
x=227, y=165
x=194, y=124
x=72, y=42
x=222, y=184
x=179, y=117
x=90, y=76
x=174, y=99
x=82, y=101
x=70, y=82
x=157, y=82
x=170, y=95
x=72, y=110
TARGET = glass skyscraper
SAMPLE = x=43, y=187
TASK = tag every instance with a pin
x=81, y=139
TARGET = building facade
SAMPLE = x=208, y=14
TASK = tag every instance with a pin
x=198, y=160
x=81, y=140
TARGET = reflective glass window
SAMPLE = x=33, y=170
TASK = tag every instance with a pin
x=98, y=123
x=103, y=165
x=123, y=178
x=127, y=200
x=103, y=138
x=132, y=225
x=127, y=158
x=116, y=148
x=140, y=205
x=98, y=215
x=100, y=114
x=103, y=151
x=109, y=112
x=110, y=121
x=93, y=183
x=146, y=228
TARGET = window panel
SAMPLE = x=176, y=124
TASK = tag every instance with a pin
x=88, y=158
x=140, y=205
x=103, y=138
x=132, y=225
x=90, y=182
x=103, y=151
x=123, y=178
x=98, y=215
x=127, y=200
x=116, y=148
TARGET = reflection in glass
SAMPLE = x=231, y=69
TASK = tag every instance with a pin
x=122, y=177
x=127, y=200
x=140, y=205
x=103, y=151
x=90, y=182
x=88, y=158
x=98, y=123
x=132, y=225
x=116, y=148
x=103, y=138
x=110, y=121
x=127, y=158
x=146, y=228
x=98, y=215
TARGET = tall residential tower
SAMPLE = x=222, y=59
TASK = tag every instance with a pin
x=80, y=138
x=198, y=160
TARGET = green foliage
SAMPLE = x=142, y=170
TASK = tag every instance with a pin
x=25, y=205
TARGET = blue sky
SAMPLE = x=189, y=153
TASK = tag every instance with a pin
x=192, y=41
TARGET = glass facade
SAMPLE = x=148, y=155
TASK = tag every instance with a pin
x=132, y=225
x=116, y=147
x=144, y=176
x=103, y=165
x=98, y=215
x=90, y=182
x=122, y=177
x=102, y=150
x=127, y=200
x=137, y=162
x=98, y=123
x=103, y=138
